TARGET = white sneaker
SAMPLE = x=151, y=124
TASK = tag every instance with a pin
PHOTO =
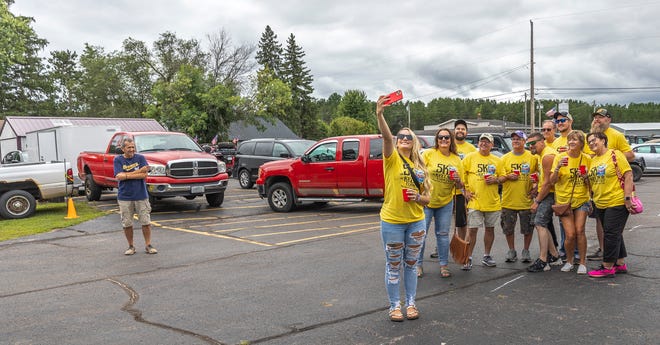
x=567, y=267
x=582, y=269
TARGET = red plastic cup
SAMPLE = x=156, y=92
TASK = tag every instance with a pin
x=564, y=161
x=452, y=174
x=562, y=149
x=583, y=169
x=405, y=194
x=486, y=176
x=534, y=177
x=517, y=172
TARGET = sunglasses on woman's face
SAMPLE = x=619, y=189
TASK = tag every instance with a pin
x=404, y=136
x=444, y=137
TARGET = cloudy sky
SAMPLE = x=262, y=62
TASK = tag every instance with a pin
x=605, y=51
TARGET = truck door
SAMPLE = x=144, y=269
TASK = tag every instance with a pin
x=351, y=168
x=375, y=178
x=318, y=176
x=109, y=158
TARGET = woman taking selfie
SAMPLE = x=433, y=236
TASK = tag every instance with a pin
x=612, y=201
x=571, y=185
x=402, y=214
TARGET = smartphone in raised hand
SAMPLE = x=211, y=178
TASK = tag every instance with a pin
x=394, y=97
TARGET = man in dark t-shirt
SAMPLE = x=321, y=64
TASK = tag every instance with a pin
x=131, y=171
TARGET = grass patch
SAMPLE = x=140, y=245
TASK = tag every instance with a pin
x=49, y=216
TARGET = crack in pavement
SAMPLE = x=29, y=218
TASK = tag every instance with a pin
x=128, y=307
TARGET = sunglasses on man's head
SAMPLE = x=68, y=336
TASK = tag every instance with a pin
x=530, y=143
x=444, y=137
x=560, y=120
x=546, y=129
x=404, y=136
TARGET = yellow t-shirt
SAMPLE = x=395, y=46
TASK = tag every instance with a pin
x=546, y=151
x=438, y=166
x=604, y=180
x=615, y=140
x=515, y=194
x=464, y=148
x=567, y=176
x=485, y=197
x=397, y=177
x=559, y=142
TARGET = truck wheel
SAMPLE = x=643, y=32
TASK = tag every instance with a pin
x=16, y=204
x=280, y=197
x=92, y=190
x=637, y=172
x=244, y=179
x=216, y=199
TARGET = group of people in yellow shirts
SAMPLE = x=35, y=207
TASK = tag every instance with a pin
x=588, y=173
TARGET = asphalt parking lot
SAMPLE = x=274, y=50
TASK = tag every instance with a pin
x=243, y=274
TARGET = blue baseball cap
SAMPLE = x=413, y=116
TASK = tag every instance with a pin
x=520, y=134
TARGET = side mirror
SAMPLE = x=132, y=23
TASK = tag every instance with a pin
x=119, y=151
x=207, y=148
x=285, y=155
x=305, y=159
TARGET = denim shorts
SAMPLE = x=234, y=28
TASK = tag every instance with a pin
x=584, y=207
x=544, y=211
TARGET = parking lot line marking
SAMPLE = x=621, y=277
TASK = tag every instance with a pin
x=257, y=220
x=307, y=222
x=507, y=283
x=326, y=236
x=288, y=232
x=359, y=224
x=209, y=209
x=187, y=219
x=239, y=239
x=229, y=230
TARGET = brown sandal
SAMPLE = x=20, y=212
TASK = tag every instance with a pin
x=412, y=313
x=445, y=272
x=396, y=315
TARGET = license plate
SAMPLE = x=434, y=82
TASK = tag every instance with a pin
x=197, y=189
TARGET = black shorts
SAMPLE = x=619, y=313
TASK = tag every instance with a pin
x=461, y=212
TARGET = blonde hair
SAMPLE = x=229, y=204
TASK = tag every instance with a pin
x=417, y=160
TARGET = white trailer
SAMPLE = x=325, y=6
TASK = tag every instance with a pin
x=64, y=143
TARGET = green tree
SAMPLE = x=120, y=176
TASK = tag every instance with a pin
x=269, y=52
x=65, y=75
x=355, y=104
x=301, y=118
x=101, y=83
x=345, y=125
x=228, y=64
x=271, y=98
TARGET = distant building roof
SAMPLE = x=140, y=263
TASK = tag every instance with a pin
x=478, y=126
x=24, y=124
x=243, y=131
x=637, y=128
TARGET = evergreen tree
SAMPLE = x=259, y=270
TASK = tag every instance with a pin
x=269, y=52
x=302, y=118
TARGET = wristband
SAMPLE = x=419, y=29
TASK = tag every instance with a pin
x=627, y=198
x=418, y=197
x=536, y=201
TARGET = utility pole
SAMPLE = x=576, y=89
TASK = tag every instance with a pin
x=525, y=108
x=408, y=109
x=531, y=76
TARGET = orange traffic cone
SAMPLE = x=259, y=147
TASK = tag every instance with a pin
x=71, y=210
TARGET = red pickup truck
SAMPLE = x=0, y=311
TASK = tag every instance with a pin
x=346, y=168
x=178, y=167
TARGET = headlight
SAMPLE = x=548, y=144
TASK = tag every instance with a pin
x=156, y=170
x=222, y=167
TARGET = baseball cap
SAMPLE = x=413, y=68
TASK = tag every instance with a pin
x=563, y=113
x=486, y=136
x=602, y=112
x=460, y=122
x=520, y=134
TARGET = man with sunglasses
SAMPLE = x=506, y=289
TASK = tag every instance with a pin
x=484, y=173
x=548, y=130
x=615, y=140
x=542, y=205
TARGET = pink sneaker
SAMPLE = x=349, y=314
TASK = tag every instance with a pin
x=621, y=269
x=602, y=272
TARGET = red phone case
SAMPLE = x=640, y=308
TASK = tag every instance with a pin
x=394, y=97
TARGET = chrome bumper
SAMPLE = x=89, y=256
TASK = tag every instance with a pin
x=166, y=189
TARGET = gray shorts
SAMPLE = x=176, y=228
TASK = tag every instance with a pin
x=544, y=211
x=509, y=218
x=478, y=218
x=127, y=208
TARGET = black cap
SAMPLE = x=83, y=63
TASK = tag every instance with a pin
x=460, y=122
x=602, y=112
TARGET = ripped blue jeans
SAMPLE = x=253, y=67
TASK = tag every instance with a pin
x=402, y=241
x=442, y=223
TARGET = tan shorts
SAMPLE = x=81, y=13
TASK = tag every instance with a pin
x=128, y=208
x=478, y=218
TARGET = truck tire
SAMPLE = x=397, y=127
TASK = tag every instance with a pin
x=92, y=190
x=637, y=172
x=16, y=204
x=244, y=179
x=280, y=197
x=215, y=199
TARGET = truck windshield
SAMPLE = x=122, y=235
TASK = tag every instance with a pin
x=165, y=142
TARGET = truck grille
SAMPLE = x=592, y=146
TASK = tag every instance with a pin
x=192, y=168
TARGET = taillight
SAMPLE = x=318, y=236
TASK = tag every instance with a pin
x=69, y=176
